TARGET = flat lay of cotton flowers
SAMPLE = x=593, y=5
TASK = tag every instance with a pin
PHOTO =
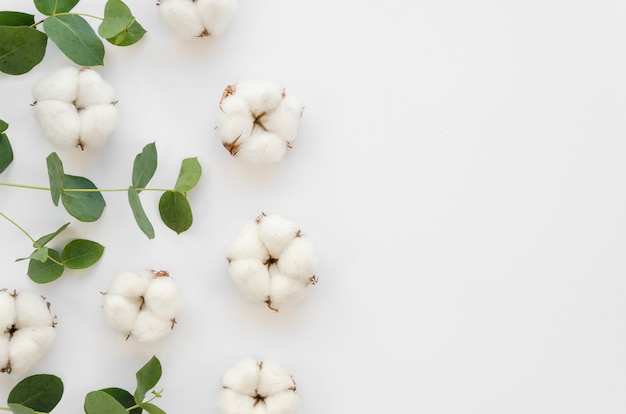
x=188, y=19
x=271, y=261
x=258, y=388
x=257, y=121
x=142, y=304
x=27, y=330
x=75, y=107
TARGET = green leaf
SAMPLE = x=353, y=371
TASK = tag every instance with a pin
x=21, y=49
x=100, y=402
x=42, y=241
x=129, y=36
x=47, y=271
x=81, y=254
x=84, y=206
x=123, y=397
x=41, y=392
x=40, y=254
x=3, y=126
x=152, y=409
x=20, y=409
x=55, y=176
x=190, y=172
x=76, y=39
x=13, y=18
x=175, y=211
x=117, y=18
x=50, y=7
x=144, y=166
x=138, y=212
x=6, y=152
x=147, y=378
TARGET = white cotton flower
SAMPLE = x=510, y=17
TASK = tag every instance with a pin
x=75, y=108
x=271, y=261
x=266, y=389
x=27, y=330
x=257, y=121
x=189, y=19
x=142, y=304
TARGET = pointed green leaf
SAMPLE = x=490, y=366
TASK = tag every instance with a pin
x=190, y=172
x=144, y=166
x=152, y=409
x=21, y=49
x=55, y=176
x=81, y=254
x=175, y=211
x=40, y=254
x=117, y=18
x=20, y=409
x=147, y=378
x=76, y=39
x=6, y=152
x=84, y=206
x=138, y=212
x=47, y=271
x=14, y=18
x=100, y=402
x=42, y=241
x=3, y=126
x=50, y=7
x=129, y=36
x=41, y=392
x=123, y=397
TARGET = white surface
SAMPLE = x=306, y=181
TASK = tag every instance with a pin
x=460, y=169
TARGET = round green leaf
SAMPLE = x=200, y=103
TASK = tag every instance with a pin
x=48, y=271
x=85, y=206
x=6, y=152
x=129, y=36
x=13, y=18
x=21, y=49
x=123, y=397
x=117, y=18
x=41, y=392
x=50, y=7
x=190, y=172
x=175, y=211
x=100, y=402
x=81, y=254
x=76, y=39
x=147, y=378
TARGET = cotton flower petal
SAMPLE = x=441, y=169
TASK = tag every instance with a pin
x=61, y=85
x=261, y=95
x=216, y=14
x=97, y=122
x=28, y=346
x=298, y=259
x=181, y=18
x=284, y=402
x=284, y=289
x=284, y=121
x=121, y=311
x=131, y=284
x=273, y=378
x=234, y=121
x=162, y=297
x=251, y=277
x=231, y=402
x=7, y=311
x=243, y=377
x=59, y=122
x=247, y=244
x=276, y=233
x=93, y=90
x=149, y=326
x=4, y=351
x=262, y=148
x=31, y=310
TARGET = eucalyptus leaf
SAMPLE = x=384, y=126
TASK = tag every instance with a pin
x=76, y=39
x=47, y=271
x=21, y=409
x=21, y=49
x=147, y=378
x=14, y=18
x=81, y=254
x=129, y=36
x=123, y=397
x=6, y=152
x=55, y=176
x=3, y=126
x=175, y=211
x=41, y=392
x=117, y=18
x=138, y=212
x=42, y=241
x=144, y=166
x=85, y=206
x=50, y=7
x=190, y=172
x=152, y=409
x=40, y=254
x=100, y=402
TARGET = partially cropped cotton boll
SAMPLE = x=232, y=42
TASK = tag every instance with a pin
x=273, y=392
x=58, y=86
x=60, y=123
x=216, y=14
x=258, y=120
x=142, y=304
x=255, y=256
x=189, y=19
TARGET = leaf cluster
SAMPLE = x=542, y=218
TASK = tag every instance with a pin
x=23, y=46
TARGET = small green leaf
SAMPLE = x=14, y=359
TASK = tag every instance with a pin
x=123, y=397
x=147, y=378
x=152, y=409
x=117, y=18
x=175, y=211
x=13, y=18
x=190, y=172
x=129, y=36
x=41, y=392
x=76, y=39
x=21, y=49
x=138, y=212
x=55, y=176
x=42, y=241
x=83, y=205
x=100, y=402
x=20, y=409
x=6, y=152
x=144, y=166
x=3, y=126
x=40, y=254
x=81, y=254
x=50, y=7
x=47, y=271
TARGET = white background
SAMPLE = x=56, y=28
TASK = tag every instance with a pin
x=460, y=168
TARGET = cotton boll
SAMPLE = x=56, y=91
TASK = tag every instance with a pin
x=231, y=402
x=262, y=148
x=247, y=244
x=284, y=402
x=243, y=377
x=61, y=85
x=284, y=289
x=251, y=277
x=59, y=122
x=181, y=18
x=216, y=14
x=131, y=284
x=31, y=310
x=162, y=297
x=273, y=379
x=276, y=233
x=121, y=312
x=93, y=90
x=149, y=326
x=261, y=96
x=96, y=124
x=7, y=311
x=28, y=346
x=285, y=119
x=298, y=259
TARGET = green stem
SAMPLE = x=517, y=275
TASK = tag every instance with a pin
x=18, y=226
x=81, y=190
